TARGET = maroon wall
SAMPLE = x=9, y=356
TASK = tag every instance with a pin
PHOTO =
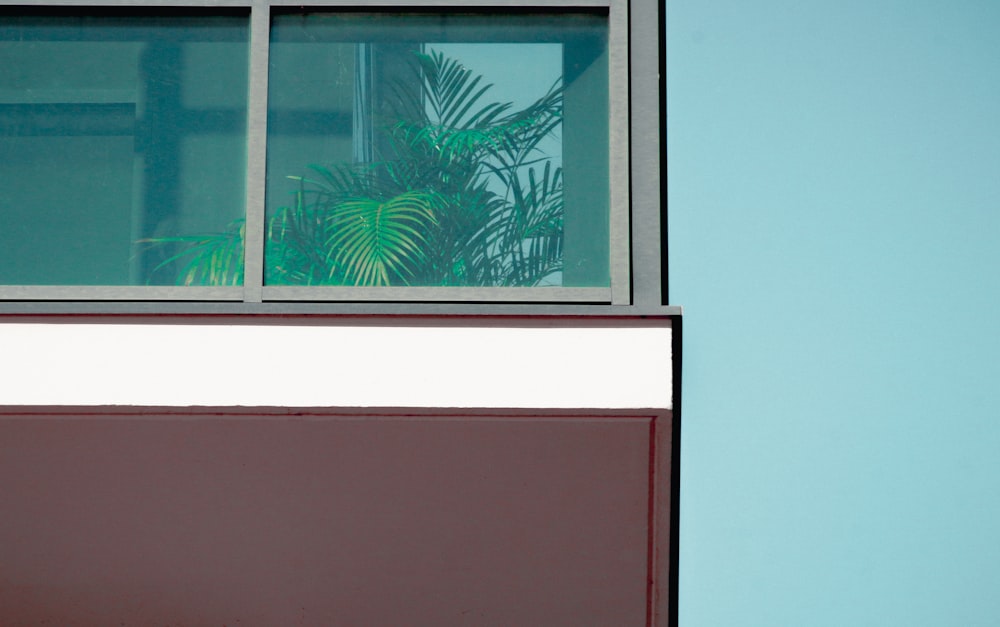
x=352, y=518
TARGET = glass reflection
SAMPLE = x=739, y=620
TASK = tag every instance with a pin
x=122, y=144
x=432, y=150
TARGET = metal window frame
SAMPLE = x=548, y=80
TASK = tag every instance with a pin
x=635, y=152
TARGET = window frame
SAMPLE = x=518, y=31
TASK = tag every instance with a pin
x=635, y=237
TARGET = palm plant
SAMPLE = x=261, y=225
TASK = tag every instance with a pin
x=209, y=259
x=459, y=193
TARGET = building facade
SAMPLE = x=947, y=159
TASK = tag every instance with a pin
x=353, y=313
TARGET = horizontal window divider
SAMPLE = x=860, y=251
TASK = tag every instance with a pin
x=439, y=294
x=445, y=4
x=140, y=4
x=346, y=4
x=60, y=96
x=283, y=312
x=122, y=292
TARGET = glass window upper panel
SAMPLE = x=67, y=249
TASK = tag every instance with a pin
x=437, y=149
x=122, y=146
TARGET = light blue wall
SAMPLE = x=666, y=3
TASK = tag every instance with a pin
x=834, y=174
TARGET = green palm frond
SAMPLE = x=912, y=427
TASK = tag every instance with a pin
x=294, y=251
x=380, y=243
x=527, y=236
x=450, y=90
x=212, y=259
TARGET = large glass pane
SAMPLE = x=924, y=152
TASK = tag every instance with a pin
x=438, y=149
x=122, y=146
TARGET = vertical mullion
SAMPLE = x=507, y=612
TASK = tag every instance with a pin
x=644, y=99
x=253, y=275
x=619, y=174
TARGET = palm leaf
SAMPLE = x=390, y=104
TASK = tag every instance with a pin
x=527, y=235
x=214, y=259
x=380, y=243
x=294, y=251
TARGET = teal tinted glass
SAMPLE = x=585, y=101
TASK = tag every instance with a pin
x=122, y=146
x=437, y=149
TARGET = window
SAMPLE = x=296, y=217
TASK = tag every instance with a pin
x=117, y=129
x=319, y=154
